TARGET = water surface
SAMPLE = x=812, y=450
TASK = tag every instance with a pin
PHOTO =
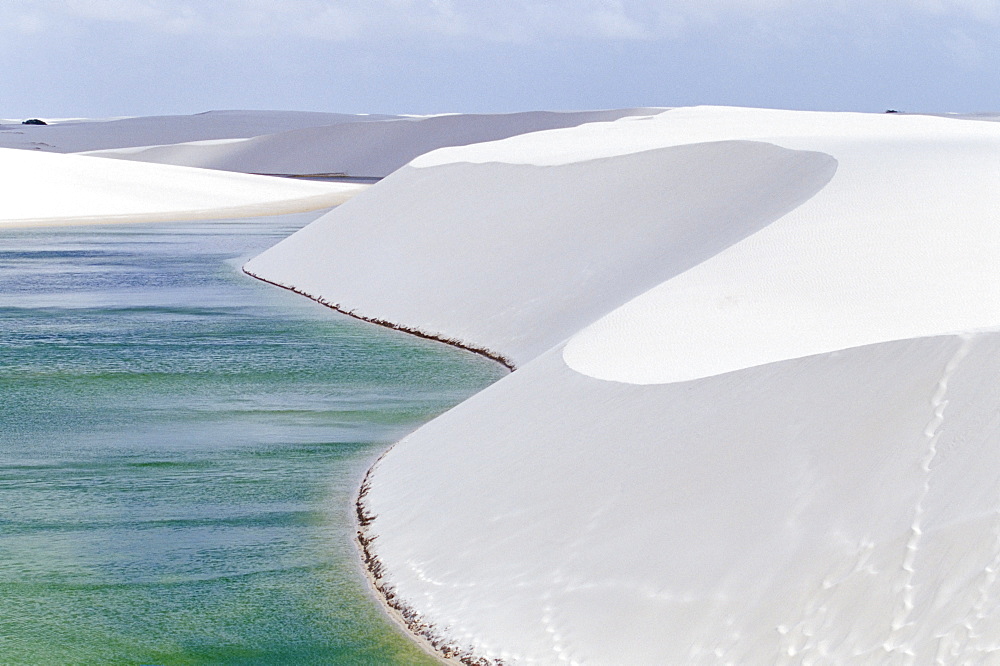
x=180, y=446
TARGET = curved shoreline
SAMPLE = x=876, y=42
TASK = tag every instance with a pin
x=482, y=351
x=261, y=209
x=426, y=635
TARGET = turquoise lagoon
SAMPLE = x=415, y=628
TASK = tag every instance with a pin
x=180, y=446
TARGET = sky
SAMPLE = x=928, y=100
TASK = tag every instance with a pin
x=101, y=58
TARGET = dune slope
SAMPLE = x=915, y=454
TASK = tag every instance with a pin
x=841, y=507
x=754, y=419
x=44, y=188
x=360, y=149
x=82, y=135
x=529, y=255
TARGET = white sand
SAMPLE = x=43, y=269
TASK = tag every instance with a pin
x=779, y=514
x=885, y=163
x=372, y=148
x=773, y=455
x=515, y=258
x=793, y=129
x=94, y=134
x=45, y=188
x=903, y=243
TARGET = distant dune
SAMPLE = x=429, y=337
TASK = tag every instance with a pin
x=78, y=135
x=86, y=189
x=45, y=189
x=755, y=416
x=360, y=149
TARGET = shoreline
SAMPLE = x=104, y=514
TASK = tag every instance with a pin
x=369, y=564
x=405, y=616
x=427, y=636
x=263, y=209
x=224, y=565
x=482, y=351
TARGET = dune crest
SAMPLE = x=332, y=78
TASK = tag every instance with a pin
x=516, y=258
x=902, y=243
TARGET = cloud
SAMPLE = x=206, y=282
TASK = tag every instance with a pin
x=27, y=24
x=616, y=25
x=980, y=10
x=124, y=11
x=523, y=21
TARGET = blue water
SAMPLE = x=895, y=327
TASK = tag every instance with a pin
x=180, y=446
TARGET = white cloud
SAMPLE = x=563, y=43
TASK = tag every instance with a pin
x=28, y=24
x=964, y=49
x=513, y=20
x=337, y=20
x=982, y=10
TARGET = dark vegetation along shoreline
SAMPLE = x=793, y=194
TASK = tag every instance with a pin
x=488, y=353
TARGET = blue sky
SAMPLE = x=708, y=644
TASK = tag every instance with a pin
x=145, y=57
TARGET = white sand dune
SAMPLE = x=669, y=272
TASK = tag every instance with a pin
x=779, y=442
x=515, y=258
x=834, y=509
x=903, y=243
x=71, y=136
x=360, y=149
x=45, y=188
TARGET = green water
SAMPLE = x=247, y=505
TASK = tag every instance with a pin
x=180, y=446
